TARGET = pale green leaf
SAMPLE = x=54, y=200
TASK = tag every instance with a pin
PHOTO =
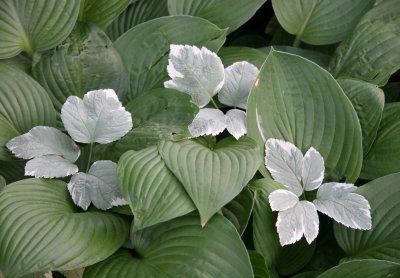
x=50, y=166
x=224, y=13
x=370, y=52
x=157, y=196
x=320, y=22
x=99, y=117
x=44, y=140
x=35, y=25
x=212, y=177
x=3, y=183
x=337, y=200
x=282, y=199
x=196, y=72
x=239, y=77
x=180, y=248
x=208, y=121
x=313, y=169
x=383, y=240
x=99, y=186
x=7, y=133
x=154, y=38
x=236, y=122
x=42, y=230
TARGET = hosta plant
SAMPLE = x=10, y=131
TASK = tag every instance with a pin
x=185, y=138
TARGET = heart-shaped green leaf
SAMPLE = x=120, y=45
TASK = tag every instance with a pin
x=180, y=248
x=35, y=25
x=212, y=177
x=384, y=155
x=320, y=22
x=223, y=13
x=154, y=38
x=296, y=100
x=383, y=240
x=85, y=61
x=152, y=191
x=41, y=230
x=370, y=53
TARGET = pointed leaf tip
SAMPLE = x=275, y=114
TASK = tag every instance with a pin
x=203, y=222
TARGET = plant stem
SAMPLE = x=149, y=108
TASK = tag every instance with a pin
x=81, y=10
x=90, y=157
x=213, y=102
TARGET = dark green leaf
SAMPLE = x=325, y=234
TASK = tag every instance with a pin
x=7, y=133
x=233, y=54
x=12, y=171
x=260, y=270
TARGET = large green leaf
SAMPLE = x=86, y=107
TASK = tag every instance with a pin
x=23, y=102
x=363, y=268
x=260, y=270
x=137, y=12
x=12, y=171
x=223, y=13
x=320, y=22
x=212, y=177
x=154, y=38
x=368, y=101
x=384, y=156
x=180, y=248
x=152, y=191
x=383, y=240
x=295, y=100
x=85, y=61
x=101, y=12
x=35, y=25
x=370, y=53
x=41, y=230
x=233, y=54
x=7, y=133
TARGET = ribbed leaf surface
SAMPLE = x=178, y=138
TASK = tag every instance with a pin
x=383, y=240
x=35, y=25
x=232, y=54
x=7, y=133
x=152, y=191
x=41, y=230
x=180, y=248
x=212, y=177
x=296, y=100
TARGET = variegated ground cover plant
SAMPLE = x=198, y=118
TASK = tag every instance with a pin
x=159, y=138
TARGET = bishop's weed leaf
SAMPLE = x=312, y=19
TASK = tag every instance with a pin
x=236, y=122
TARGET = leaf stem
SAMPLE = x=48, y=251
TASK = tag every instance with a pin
x=81, y=11
x=90, y=157
x=297, y=40
x=213, y=102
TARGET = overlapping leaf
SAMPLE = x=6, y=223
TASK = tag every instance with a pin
x=50, y=166
x=7, y=133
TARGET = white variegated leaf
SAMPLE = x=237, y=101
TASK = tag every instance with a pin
x=208, y=121
x=99, y=186
x=239, y=77
x=313, y=169
x=44, y=140
x=194, y=71
x=50, y=166
x=236, y=122
x=285, y=163
x=282, y=199
x=293, y=223
x=338, y=201
x=99, y=117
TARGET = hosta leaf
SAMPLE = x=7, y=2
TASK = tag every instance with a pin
x=370, y=52
x=296, y=221
x=99, y=186
x=384, y=155
x=383, y=240
x=313, y=169
x=260, y=270
x=157, y=196
x=99, y=117
x=196, y=72
x=41, y=230
x=180, y=248
x=282, y=199
x=35, y=25
x=7, y=133
x=238, y=210
x=3, y=183
x=102, y=12
x=23, y=102
x=154, y=37
x=50, y=166
x=239, y=77
x=137, y=12
x=285, y=163
x=296, y=100
x=12, y=170
x=208, y=121
x=44, y=140
x=320, y=22
x=236, y=122
x=85, y=61
x=368, y=101
x=214, y=177
x=338, y=201
x=363, y=268
x=224, y=13
x=233, y=54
